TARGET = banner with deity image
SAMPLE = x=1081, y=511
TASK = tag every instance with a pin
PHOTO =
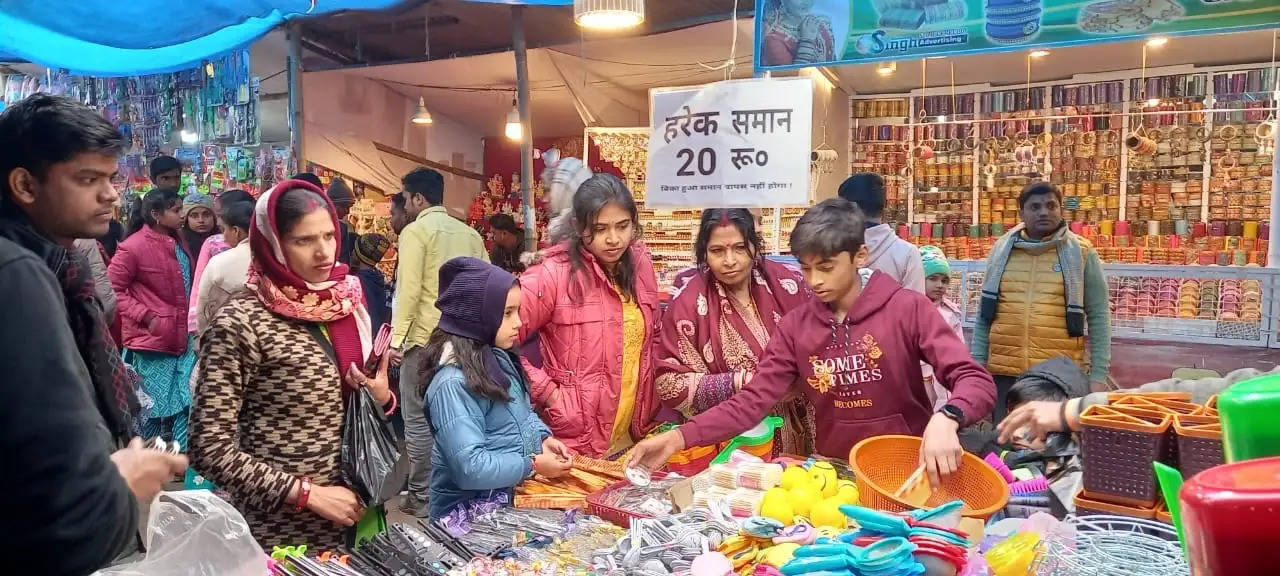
x=739, y=143
x=800, y=33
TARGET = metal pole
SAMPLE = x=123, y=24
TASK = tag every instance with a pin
x=1273, y=249
x=526, y=128
x=295, y=94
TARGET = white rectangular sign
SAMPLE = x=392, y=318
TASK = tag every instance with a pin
x=740, y=143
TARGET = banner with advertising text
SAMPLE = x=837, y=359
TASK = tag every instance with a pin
x=801, y=33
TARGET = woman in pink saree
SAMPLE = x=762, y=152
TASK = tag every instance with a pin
x=717, y=326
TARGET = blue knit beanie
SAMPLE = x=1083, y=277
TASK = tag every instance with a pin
x=473, y=297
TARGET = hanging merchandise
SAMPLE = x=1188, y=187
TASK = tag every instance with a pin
x=216, y=103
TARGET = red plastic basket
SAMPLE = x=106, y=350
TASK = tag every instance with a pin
x=617, y=516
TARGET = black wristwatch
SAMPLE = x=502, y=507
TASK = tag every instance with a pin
x=953, y=412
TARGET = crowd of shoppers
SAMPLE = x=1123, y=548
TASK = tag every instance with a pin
x=501, y=375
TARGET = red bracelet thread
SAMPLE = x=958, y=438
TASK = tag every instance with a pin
x=304, y=493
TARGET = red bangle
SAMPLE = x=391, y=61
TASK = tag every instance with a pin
x=392, y=409
x=304, y=493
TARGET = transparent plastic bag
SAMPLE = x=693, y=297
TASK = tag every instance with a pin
x=195, y=533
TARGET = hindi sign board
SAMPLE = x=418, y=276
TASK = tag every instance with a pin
x=738, y=143
x=800, y=33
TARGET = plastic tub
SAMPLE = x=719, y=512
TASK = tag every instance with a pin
x=691, y=461
x=1250, y=428
x=1229, y=516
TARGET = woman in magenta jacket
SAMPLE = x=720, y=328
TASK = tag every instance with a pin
x=593, y=301
x=151, y=275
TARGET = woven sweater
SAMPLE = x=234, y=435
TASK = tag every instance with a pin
x=267, y=410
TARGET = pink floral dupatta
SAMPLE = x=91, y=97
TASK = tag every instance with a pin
x=707, y=338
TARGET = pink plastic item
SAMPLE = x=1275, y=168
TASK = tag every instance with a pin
x=994, y=460
x=1037, y=484
x=1229, y=518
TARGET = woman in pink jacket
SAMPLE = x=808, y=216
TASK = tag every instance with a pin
x=151, y=275
x=593, y=301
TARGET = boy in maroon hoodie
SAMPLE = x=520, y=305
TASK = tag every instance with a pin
x=855, y=350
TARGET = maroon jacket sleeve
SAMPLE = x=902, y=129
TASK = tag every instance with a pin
x=971, y=386
x=770, y=384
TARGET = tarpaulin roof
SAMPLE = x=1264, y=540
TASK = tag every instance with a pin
x=123, y=38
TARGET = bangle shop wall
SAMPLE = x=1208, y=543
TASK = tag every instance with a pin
x=1181, y=221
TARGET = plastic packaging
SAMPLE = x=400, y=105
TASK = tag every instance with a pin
x=195, y=533
x=369, y=453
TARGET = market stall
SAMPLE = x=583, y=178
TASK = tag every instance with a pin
x=741, y=508
x=206, y=116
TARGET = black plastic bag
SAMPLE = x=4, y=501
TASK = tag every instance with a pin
x=370, y=457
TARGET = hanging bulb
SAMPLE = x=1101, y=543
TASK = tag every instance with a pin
x=422, y=116
x=514, y=129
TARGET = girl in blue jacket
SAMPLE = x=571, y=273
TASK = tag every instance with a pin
x=487, y=437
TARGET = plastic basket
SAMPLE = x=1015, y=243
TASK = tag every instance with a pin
x=617, y=516
x=1088, y=504
x=1199, y=443
x=1170, y=405
x=882, y=463
x=690, y=461
x=1118, y=444
x=1211, y=407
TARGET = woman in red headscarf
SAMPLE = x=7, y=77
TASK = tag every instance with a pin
x=718, y=325
x=275, y=366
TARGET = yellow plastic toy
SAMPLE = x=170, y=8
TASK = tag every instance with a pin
x=778, y=555
x=848, y=493
x=824, y=478
x=827, y=513
x=803, y=498
x=1014, y=555
x=777, y=505
x=794, y=477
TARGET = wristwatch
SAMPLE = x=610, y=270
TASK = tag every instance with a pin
x=953, y=412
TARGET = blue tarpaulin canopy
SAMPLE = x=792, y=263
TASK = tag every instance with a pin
x=123, y=37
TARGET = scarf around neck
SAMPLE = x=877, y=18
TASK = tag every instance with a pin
x=337, y=303
x=1070, y=262
x=114, y=393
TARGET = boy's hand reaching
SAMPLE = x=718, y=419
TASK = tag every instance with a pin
x=940, y=450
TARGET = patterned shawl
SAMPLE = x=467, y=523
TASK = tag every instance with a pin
x=707, y=337
x=337, y=303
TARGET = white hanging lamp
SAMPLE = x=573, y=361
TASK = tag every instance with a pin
x=608, y=14
x=422, y=116
x=514, y=129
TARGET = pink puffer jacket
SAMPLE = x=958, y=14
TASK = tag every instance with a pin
x=576, y=390
x=150, y=293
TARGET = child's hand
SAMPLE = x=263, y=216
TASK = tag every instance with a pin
x=940, y=449
x=556, y=447
x=551, y=466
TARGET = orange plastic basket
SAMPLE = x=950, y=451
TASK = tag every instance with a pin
x=1199, y=443
x=1087, y=504
x=1164, y=404
x=882, y=463
x=1118, y=445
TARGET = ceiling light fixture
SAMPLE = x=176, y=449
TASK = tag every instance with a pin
x=422, y=116
x=1157, y=41
x=1039, y=53
x=887, y=68
x=1153, y=102
x=608, y=14
x=514, y=129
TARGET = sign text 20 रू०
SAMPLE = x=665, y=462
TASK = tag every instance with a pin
x=742, y=143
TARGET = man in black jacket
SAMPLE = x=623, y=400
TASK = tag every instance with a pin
x=71, y=486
